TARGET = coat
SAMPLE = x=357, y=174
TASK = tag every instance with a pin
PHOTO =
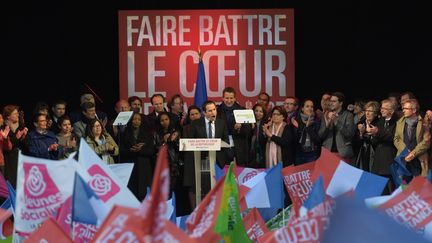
x=385, y=151
x=423, y=142
x=102, y=150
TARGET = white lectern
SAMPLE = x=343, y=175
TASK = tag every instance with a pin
x=199, y=145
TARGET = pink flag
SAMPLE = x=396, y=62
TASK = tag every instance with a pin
x=3, y=187
x=81, y=232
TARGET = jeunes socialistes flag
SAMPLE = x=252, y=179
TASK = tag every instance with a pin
x=229, y=222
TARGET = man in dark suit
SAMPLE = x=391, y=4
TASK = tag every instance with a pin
x=211, y=127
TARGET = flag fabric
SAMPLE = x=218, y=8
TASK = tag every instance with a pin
x=80, y=233
x=316, y=197
x=11, y=197
x=3, y=187
x=374, y=202
x=352, y=221
x=398, y=168
x=243, y=174
x=181, y=222
x=219, y=173
x=123, y=171
x=50, y=231
x=297, y=180
x=154, y=208
x=201, y=222
x=6, y=225
x=281, y=219
x=413, y=206
x=87, y=208
x=171, y=209
x=340, y=177
x=102, y=180
x=42, y=186
x=265, y=190
x=254, y=225
x=200, y=86
x=229, y=223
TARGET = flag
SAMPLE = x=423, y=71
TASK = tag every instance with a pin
x=11, y=197
x=242, y=174
x=340, y=177
x=254, y=225
x=398, y=168
x=42, y=187
x=79, y=232
x=281, y=219
x=413, y=206
x=200, y=86
x=200, y=223
x=154, y=208
x=102, y=180
x=50, y=231
x=229, y=223
x=265, y=190
x=6, y=225
x=3, y=187
x=172, y=203
x=219, y=173
x=87, y=208
x=123, y=171
x=181, y=222
x=352, y=221
x=297, y=180
x=316, y=197
x=374, y=202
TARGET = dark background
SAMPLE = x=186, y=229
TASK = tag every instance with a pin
x=365, y=49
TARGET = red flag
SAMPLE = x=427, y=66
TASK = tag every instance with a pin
x=413, y=206
x=50, y=231
x=297, y=180
x=254, y=225
x=306, y=229
x=6, y=225
x=3, y=187
x=200, y=224
x=121, y=225
x=153, y=208
x=173, y=234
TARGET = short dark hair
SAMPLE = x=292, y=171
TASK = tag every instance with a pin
x=62, y=119
x=339, y=95
x=267, y=95
x=208, y=102
x=87, y=105
x=157, y=95
x=296, y=100
x=59, y=102
x=192, y=107
x=133, y=98
x=171, y=101
x=37, y=115
x=229, y=90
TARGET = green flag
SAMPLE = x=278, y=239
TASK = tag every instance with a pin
x=229, y=223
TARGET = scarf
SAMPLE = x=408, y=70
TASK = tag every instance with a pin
x=411, y=126
x=274, y=152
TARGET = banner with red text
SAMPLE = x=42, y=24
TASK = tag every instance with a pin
x=251, y=50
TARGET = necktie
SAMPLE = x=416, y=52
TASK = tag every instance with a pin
x=210, y=134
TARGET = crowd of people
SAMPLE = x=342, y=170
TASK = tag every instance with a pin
x=368, y=135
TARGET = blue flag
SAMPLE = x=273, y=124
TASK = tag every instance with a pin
x=173, y=217
x=12, y=195
x=398, y=168
x=315, y=197
x=87, y=208
x=353, y=222
x=200, y=86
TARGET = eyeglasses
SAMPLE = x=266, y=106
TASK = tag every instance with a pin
x=369, y=110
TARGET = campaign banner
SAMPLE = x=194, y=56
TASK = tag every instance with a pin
x=298, y=182
x=251, y=50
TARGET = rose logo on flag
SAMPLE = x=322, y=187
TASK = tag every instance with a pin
x=35, y=182
x=100, y=184
x=249, y=176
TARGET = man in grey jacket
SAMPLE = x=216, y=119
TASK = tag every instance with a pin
x=337, y=128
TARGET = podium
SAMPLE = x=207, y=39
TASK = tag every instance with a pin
x=198, y=145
